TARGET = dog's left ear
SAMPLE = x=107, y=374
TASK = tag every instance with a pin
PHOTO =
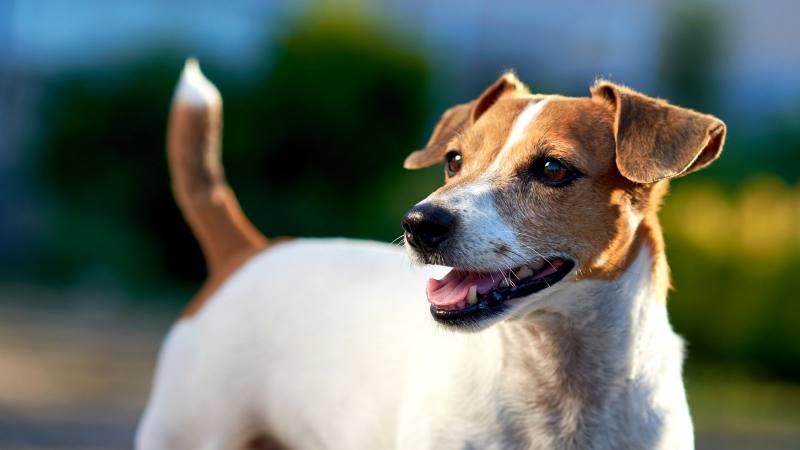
x=458, y=118
x=656, y=140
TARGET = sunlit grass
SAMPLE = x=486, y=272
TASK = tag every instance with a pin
x=726, y=400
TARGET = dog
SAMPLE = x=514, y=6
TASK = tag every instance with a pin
x=549, y=330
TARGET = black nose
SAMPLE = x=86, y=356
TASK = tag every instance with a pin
x=427, y=225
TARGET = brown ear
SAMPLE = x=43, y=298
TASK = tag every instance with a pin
x=656, y=140
x=458, y=118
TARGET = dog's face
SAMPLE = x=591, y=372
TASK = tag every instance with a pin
x=542, y=189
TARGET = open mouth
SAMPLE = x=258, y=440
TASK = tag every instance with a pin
x=462, y=297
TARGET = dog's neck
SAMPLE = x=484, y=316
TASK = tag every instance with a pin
x=600, y=359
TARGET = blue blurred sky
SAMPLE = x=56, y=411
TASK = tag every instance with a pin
x=571, y=40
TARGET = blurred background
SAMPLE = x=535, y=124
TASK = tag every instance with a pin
x=323, y=100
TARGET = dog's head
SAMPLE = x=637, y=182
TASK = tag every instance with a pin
x=544, y=188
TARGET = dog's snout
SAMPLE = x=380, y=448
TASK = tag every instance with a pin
x=426, y=226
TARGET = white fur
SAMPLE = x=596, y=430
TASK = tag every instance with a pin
x=634, y=217
x=329, y=344
x=480, y=227
x=518, y=131
x=194, y=88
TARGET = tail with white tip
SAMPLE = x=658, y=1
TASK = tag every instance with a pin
x=209, y=205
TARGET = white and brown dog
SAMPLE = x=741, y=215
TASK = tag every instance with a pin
x=549, y=332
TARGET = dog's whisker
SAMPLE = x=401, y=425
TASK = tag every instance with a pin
x=399, y=240
x=531, y=248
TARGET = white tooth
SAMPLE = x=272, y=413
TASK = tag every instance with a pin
x=523, y=272
x=472, y=295
x=505, y=283
x=536, y=265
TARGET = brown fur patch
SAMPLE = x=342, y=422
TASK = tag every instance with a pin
x=227, y=237
x=502, y=249
x=619, y=140
x=460, y=117
x=265, y=442
x=656, y=140
x=207, y=202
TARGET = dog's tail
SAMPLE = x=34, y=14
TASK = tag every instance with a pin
x=193, y=148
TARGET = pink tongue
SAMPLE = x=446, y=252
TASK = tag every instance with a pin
x=454, y=287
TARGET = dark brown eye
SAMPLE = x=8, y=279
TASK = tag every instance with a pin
x=553, y=172
x=452, y=162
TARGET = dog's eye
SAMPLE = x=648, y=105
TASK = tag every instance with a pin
x=553, y=172
x=453, y=164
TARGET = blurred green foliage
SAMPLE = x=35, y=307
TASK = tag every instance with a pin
x=313, y=145
x=735, y=259
x=691, y=54
x=104, y=171
x=733, y=232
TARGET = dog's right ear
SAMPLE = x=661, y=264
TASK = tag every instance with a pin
x=656, y=140
x=456, y=119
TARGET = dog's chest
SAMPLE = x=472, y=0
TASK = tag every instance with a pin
x=509, y=389
x=463, y=395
